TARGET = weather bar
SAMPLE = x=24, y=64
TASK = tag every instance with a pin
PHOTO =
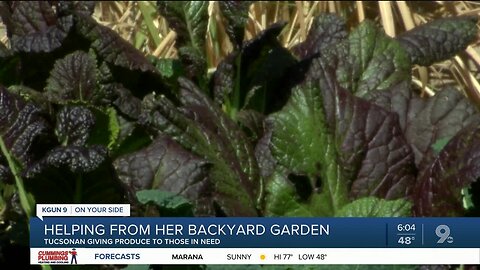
x=297, y=256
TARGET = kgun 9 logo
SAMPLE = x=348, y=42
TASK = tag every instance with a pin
x=443, y=232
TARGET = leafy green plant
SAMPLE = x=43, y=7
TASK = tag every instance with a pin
x=332, y=127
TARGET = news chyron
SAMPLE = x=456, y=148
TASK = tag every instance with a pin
x=107, y=234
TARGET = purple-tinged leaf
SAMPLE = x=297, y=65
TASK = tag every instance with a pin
x=253, y=77
x=235, y=15
x=6, y=176
x=82, y=7
x=34, y=27
x=110, y=47
x=252, y=123
x=438, y=117
x=126, y=103
x=193, y=61
x=77, y=159
x=439, y=40
x=165, y=165
x=21, y=123
x=263, y=154
x=438, y=188
x=224, y=78
x=395, y=99
x=202, y=128
x=74, y=125
x=327, y=30
x=74, y=78
x=424, y=121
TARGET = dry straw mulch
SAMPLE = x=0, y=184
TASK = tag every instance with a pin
x=139, y=23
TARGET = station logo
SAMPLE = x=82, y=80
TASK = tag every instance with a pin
x=57, y=256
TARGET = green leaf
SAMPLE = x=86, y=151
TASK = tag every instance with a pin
x=440, y=144
x=137, y=267
x=467, y=199
x=188, y=19
x=168, y=203
x=148, y=11
x=375, y=207
x=233, y=267
x=300, y=125
x=131, y=138
x=113, y=127
x=169, y=68
x=106, y=129
x=26, y=200
x=369, y=60
x=283, y=200
x=336, y=146
x=339, y=267
x=32, y=95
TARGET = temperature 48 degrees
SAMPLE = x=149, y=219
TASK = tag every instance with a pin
x=406, y=240
x=306, y=256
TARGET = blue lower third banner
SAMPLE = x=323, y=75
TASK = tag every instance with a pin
x=130, y=240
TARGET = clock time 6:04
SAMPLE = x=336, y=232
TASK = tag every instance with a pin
x=406, y=227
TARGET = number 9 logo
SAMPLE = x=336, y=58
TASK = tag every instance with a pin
x=442, y=231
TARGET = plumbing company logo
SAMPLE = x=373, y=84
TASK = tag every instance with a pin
x=57, y=256
x=74, y=255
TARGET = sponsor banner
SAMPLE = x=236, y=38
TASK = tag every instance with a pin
x=297, y=256
x=157, y=232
